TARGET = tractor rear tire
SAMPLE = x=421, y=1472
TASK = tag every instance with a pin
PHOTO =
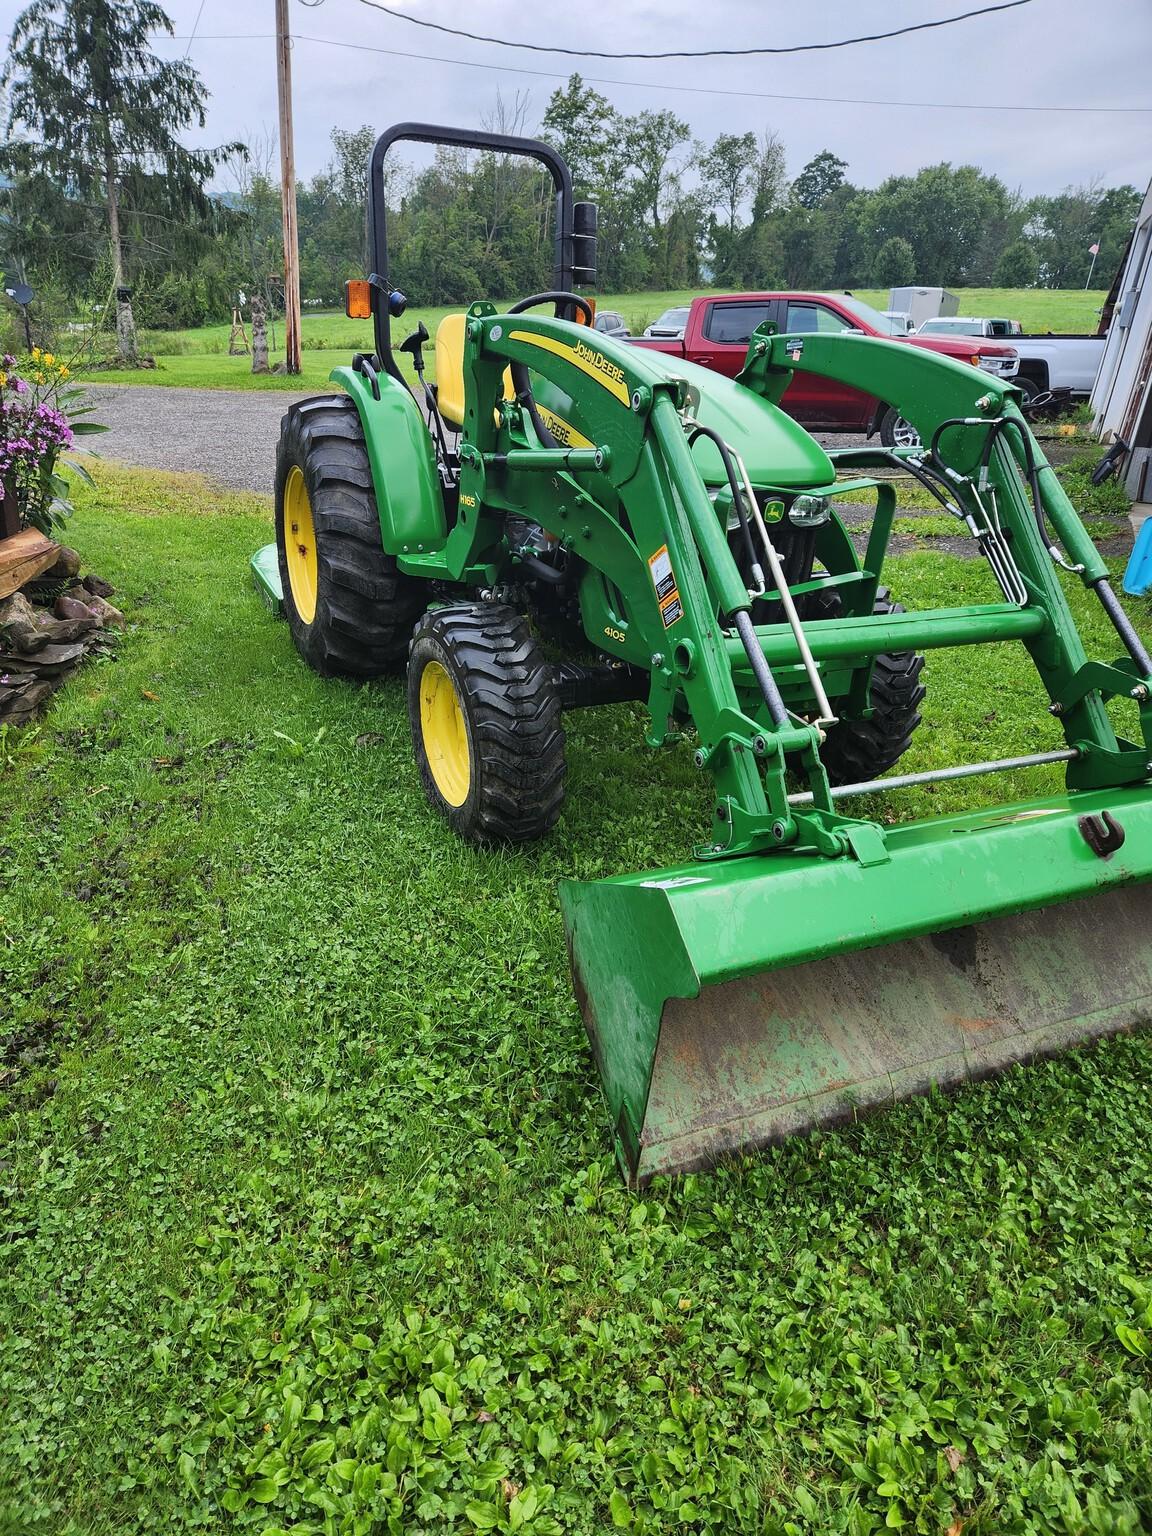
x=485, y=716
x=349, y=608
x=857, y=750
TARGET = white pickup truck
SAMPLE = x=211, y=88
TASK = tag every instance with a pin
x=1048, y=360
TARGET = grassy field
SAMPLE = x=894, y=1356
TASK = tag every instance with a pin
x=311, y=1223
x=200, y=357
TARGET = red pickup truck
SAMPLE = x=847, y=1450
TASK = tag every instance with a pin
x=720, y=327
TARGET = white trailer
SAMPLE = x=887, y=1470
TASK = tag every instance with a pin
x=921, y=304
x=1122, y=396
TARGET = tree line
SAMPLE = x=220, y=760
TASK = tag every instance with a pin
x=107, y=214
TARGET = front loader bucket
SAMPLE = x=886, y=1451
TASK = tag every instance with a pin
x=731, y=1003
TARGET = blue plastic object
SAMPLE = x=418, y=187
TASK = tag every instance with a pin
x=1138, y=576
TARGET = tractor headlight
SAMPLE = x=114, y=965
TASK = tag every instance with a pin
x=809, y=511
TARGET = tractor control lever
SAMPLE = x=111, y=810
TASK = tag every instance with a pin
x=415, y=345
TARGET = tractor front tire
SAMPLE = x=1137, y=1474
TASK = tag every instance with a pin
x=349, y=608
x=485, y=718
x=858, y=750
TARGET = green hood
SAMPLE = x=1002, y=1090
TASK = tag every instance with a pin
x=775, y=449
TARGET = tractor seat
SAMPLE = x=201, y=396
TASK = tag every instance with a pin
x=450, y=370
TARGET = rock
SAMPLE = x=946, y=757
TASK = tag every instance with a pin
x=41, y=647
x=64, y=631
x=18, y=625
x=98, y=587
x=66, y=607
x=20, y=706
x=105, y=614
x=49, y=661
x=67, y=566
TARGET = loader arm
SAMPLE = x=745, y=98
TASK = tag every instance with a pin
x=929, y=390
x=663, y=591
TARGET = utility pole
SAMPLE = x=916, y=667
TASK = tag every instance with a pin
x=288, y=191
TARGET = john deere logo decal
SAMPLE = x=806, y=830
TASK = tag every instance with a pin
x=598, y=361
x=581, y=356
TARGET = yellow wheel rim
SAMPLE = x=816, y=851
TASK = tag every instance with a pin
x=445, y=734
x=300, y=544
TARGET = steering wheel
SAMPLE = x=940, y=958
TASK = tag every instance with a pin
x=520, y=381
x=555, y=296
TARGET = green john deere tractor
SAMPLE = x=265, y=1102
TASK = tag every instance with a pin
x=674, y=529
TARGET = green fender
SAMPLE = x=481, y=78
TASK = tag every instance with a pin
x=407, y=487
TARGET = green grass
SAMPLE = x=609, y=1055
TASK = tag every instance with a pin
x=311, y=1222
x=200, y=357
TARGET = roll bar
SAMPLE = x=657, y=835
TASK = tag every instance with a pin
x=458, y=138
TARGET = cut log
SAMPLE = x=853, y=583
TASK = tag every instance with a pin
x=23, y=557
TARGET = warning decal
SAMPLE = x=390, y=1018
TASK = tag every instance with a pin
x=671, y=609
x=662, y=578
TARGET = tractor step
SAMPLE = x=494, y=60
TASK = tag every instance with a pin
x=732, y=1003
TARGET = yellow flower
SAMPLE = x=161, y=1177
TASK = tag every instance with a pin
x=3, y=380
x=49, y=358
x=41, y=378
x=62, y=371
x=35, y=354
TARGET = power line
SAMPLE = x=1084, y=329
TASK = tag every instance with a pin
x=195, y=29
x=699, y=53
x=695, y=90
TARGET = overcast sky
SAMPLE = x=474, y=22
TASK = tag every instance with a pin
x=1050, y=53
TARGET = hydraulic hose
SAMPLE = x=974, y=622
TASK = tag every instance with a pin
x=1100, y=584
x=697, y=430
x=920, y=472
x=525, y=399
x=1031, y=470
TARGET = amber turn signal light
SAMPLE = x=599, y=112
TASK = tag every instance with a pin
x=358, y=298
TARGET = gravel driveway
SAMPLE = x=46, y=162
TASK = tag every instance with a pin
x=228, y=435
x=231, y=436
